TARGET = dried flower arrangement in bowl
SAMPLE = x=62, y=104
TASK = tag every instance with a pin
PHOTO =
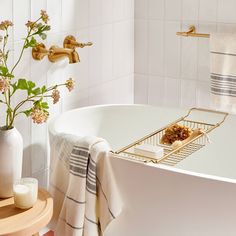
x=33, y=105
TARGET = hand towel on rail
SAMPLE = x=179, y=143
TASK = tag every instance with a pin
x=223, y=71
x=86, y=198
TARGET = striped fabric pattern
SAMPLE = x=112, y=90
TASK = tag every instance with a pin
x=223, y=85
x=223, y=71
x=79, y=161
x=83, y=188
x=82, y=165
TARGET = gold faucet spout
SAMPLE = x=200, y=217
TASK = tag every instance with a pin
x=57, y=54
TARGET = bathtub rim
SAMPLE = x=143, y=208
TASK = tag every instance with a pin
x=51, y=123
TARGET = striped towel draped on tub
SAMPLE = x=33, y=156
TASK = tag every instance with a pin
x=223, y=71
x=85, y=194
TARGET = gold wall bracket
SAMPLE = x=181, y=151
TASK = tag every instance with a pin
x=56, y=53
x=192, y=33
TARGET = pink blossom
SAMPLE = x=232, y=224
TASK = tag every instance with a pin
x=38, y=115
x=5, y=24
x=55, y=96
x=44, y=16
x=32, y=25
x=70, y=84
x=4, y=85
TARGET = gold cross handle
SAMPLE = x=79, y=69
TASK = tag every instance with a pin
x=70, y=42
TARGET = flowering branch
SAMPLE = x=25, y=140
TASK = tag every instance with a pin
x=9, y=84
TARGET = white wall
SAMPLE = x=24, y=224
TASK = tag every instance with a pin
x=104, y=75
x=171, y=70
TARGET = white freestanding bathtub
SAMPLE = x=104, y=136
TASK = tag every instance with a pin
x=197, y=197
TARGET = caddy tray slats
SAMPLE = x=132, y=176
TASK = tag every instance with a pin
x=172, y=157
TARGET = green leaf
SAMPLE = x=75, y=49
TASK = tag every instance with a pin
x=31, y=84
x=27, y=112
x=10, y=75
x=41, y=30
x=4, y=70
x=43, y=89
x=36, y=91
x=45, y=105
x=37, y=103
x=47, y=27
x=43, y=36
x=39, y=25
x=41, y=104
x=30, y=43
x=22, y=84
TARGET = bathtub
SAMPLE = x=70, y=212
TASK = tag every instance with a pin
x=196, y=197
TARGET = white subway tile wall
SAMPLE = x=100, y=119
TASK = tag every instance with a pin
x=172, y=70
x=105, y=68
x=136, y=52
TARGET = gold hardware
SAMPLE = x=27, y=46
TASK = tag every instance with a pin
x=57, y=54
x=39, y=52
x=70, y=42
x=192, y=33
x=172, y=157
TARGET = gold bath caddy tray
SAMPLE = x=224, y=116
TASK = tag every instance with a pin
x=172, y=156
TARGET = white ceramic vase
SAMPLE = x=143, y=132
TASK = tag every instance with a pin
x=11, y=152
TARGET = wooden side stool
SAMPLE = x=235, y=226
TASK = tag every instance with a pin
x=17, y=222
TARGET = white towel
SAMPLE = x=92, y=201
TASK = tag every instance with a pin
x=86, y=198
x=223, y=71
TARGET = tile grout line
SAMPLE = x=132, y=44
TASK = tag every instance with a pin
x=29, y=121
x=164, y=50
x=198, y=49
x=181, y=54
x=147, y=53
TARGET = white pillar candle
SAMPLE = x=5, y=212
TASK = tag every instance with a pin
x=25, y=192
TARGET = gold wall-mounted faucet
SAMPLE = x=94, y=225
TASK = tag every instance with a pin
x=56, y=53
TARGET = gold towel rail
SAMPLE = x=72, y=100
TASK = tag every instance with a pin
x=192, y=33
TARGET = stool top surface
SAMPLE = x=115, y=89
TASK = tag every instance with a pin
x=18, y=222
